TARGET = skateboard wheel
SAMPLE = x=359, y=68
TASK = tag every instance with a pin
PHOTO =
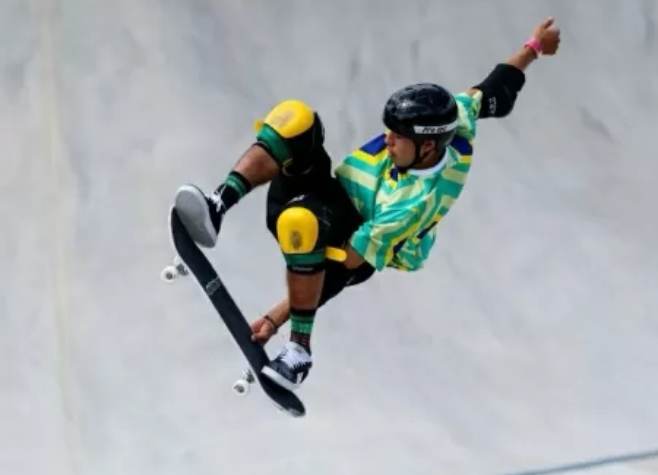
x=241, y=387
x=169, y=274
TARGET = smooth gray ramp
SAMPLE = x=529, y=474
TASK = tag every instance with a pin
x=528, y=343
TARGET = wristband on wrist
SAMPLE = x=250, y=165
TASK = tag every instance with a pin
x=269, y=319
x=534, y=44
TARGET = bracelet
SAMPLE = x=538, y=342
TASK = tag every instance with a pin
x=534, y=44
x=271, y=322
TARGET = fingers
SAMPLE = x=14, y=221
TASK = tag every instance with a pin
x=260, y=334
x=260, y=337
x=547, y=23
x=256, y=331
x=262, y=330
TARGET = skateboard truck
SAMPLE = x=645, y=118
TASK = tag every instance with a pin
x=172, y=272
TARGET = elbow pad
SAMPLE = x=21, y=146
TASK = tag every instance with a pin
x=500, y=90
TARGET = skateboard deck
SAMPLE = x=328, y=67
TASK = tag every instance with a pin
x=197, y=264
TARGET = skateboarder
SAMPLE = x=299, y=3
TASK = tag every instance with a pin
x=381, y=206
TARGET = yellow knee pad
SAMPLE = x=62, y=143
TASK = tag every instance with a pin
x=292, y=132
x=298, y=231
x=299, y=235
x=288, y=119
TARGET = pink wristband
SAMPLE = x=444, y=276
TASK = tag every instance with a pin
x=534, y=44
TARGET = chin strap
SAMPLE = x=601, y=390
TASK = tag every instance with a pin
x=418, y=158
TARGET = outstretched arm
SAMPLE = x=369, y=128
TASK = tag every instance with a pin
x=500, y=89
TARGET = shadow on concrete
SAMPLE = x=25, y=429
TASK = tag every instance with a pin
x=591, y=464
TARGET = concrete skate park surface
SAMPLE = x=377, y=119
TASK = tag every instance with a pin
x=528, y=345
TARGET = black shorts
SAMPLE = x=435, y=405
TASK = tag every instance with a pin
x=324, y=195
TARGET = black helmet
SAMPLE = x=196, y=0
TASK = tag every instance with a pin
x=422, y=112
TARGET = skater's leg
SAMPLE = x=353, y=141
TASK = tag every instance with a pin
x=307, y=292
x=291, y=367
x=336, y=278
x=325, y=198
x=301, y=230
x=289, y=140
x=255, y=168
x=202, y=214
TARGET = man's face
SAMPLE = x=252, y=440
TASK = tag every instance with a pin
x=403, y=150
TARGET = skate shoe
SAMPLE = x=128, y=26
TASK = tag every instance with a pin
x=201, y=214
x=290, y=368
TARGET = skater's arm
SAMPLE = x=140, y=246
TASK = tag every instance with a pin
x=499, y=90
x=496, y=94
x=280, y=313
x=519, y=61
x=264, y=327
x=354, y=259
x=493, y=97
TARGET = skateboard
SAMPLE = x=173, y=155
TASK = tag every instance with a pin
x=191, y=260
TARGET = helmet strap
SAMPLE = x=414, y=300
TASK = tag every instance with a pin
x=417, y=158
